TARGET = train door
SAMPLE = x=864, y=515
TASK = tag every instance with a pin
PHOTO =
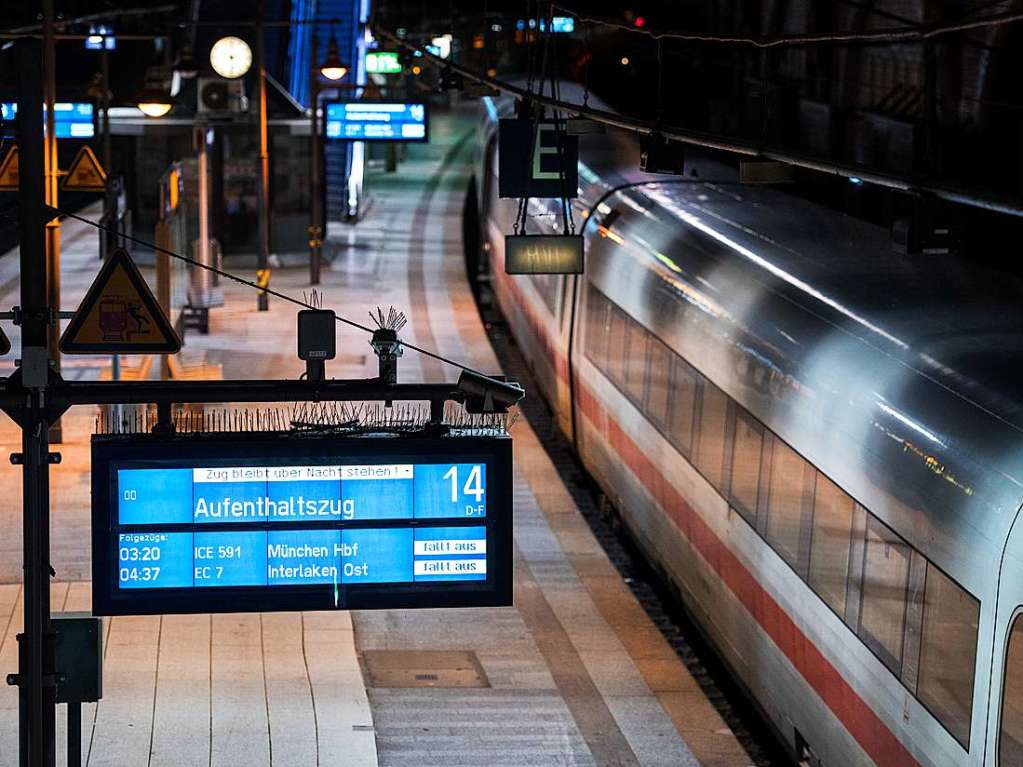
x=1005, y=710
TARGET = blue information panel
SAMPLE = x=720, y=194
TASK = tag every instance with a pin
x=376, y=120
x=71, y=119
x=316, y=522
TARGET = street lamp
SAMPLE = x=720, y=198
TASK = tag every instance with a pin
x=332, y=69
x=154, y=100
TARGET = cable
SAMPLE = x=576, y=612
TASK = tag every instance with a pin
x=269, y=291
x=893, y=35
x=961, y=196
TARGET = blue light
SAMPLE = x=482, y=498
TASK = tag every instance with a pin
x=520, y=24
x=564, y=24
x=855, y=180
x=100, y=37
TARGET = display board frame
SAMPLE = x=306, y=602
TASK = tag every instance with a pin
x=113, y=452
x=377, y=139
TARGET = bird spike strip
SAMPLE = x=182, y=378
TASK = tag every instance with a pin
x=394, y=320
x=342, y=418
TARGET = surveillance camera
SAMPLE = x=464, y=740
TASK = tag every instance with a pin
x=488, y=394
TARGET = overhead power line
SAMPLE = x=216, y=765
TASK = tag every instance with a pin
x=970, y=197
x=905, y=34
x=268, y=290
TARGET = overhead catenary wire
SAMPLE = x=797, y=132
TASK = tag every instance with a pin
x=963, y=196
x=905, y=34
x=268, y=290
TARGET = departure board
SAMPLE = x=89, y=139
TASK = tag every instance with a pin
x=365, y=120
x=70, y=119
x=232, y=522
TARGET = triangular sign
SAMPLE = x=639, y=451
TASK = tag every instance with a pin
x=5, y=342
x=119, y=315
x=85, y=174
x=9, y=171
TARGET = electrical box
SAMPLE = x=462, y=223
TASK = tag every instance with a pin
x=317, y=334
x=79, y=657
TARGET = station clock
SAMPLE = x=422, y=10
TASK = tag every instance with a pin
x=231, y=57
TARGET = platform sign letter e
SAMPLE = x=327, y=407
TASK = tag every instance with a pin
x=536, y=159
x=546, y=144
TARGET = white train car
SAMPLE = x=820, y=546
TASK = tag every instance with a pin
x=819, y=442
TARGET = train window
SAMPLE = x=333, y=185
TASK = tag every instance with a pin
x=883, y=606
x=710, y=444
x=616, y=345
x=597, y=328
x=1010, y=738
x=547, y=286
x=635, y=361
x=683, y=404
x=948, y=652
x=657, y=390
x=746, y=449
x=829, y=549
x=786, y=528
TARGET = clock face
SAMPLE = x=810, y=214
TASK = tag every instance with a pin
x=231, y=57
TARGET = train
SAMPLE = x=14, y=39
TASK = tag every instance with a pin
x=815, y=439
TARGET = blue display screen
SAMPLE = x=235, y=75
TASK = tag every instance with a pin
x=70, y=119
x=376, y=121
x=288, y=525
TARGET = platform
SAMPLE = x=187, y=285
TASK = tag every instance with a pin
x=574, y=674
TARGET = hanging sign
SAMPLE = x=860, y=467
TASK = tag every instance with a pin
x=537, y=159
x=119, y=315
x=373, y=120
x=85, y=174
x=213, y=523
x=543, y=254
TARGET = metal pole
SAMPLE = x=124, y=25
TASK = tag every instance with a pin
x=35, y=668
x=52, y=175
x=262, y=301
x=105, y=74
x=203, y=278
x=315, y=228
x=74, y=734
x=104, y=57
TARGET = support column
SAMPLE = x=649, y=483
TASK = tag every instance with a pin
x=35, y=677
x=52, y=172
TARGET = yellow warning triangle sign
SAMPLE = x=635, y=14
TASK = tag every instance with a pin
x=119, y=315
x=85, y=174
x=9, y=171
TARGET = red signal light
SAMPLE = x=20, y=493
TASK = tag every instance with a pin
x=639, y=22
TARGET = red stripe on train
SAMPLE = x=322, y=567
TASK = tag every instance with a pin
x=879, y=742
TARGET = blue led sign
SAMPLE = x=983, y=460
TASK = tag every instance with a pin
x=376, y=121
x=70, y=119
x=234, y=523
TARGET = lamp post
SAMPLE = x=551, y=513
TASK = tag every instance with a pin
x=263, y=253
x=332, y=69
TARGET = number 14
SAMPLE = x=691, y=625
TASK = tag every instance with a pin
x=473, y=483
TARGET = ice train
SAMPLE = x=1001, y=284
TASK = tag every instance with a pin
x=817, y=441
